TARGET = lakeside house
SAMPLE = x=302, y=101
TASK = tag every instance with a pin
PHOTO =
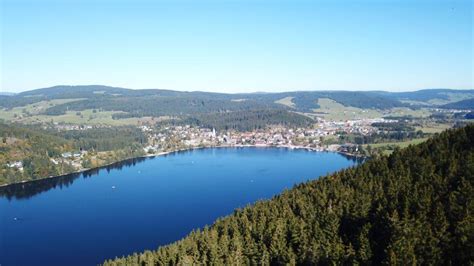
x=17, y=165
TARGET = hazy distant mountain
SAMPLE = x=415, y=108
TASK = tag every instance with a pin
x=431, y=96
x=7, y=93
x=464, y=104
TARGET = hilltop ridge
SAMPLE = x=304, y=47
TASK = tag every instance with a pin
x=304, y=101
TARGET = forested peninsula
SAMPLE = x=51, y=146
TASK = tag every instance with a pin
x=412, y=207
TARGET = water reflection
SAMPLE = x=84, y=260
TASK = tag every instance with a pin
x=30, y=189
x=356, y=159
x=159, y=206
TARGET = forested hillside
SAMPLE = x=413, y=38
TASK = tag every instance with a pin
x=248, y=120
x=428, y=95
x=38, y=152
x=155, y=102
x=413, y=207
x=464, y=104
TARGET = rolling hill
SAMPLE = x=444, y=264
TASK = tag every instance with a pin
x=116, y=104
x=302, y=100
x=464, y=104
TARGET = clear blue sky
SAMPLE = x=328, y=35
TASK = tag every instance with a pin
x=238, y=46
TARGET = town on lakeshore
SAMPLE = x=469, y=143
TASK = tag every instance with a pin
x=165, y=139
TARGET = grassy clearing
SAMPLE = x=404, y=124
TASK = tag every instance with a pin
x=452, y=97
x=412, y=102
x=401, y=144
x=332, y=110
x=287, y=101
x=330, y=139
x=439, y=101
x=404, y=111
x=19, y=113
x=85, y=117
x=388, y=147
x=32, y=113
x=433, y=128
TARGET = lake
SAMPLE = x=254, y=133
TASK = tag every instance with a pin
x=83, y=219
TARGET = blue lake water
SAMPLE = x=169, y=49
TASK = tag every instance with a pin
x=83, y=219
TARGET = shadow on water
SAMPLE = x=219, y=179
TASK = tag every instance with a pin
x=29, y=189
x=356, y=159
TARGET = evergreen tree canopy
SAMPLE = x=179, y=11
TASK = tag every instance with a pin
x=413, y=207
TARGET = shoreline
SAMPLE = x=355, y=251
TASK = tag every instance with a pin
x=163, y=153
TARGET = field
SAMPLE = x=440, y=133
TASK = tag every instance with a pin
x=18, y=113
x=332, y=110
x=387, y=147
x=453, y=97
x=433, y=128
x=287, y=101
x=86, y=117
x=403, y=111
x=401, y=144
x=413, y=102
x=32, y=114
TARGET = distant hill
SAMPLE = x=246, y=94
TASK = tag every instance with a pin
x=156, y=102
x=428, y=94
x=73, y=91
x=306, y=101
x=413, y=207
x=7, y=93
x=464, y=104
x=88, y=91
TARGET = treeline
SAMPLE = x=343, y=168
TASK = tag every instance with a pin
x=396, y=126
x=399, y=131
x=182, y=104
x=464, y=104
x=388, y=132
x=306, y=101
x=375, y=138
x=104, y=139
x=30, y=189
x=165, y=102
x=139, y=103
x=157, y=106
x=413, y=207
x=9, y=102
x=248, y=120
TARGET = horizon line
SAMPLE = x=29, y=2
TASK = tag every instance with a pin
x=250, y=92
